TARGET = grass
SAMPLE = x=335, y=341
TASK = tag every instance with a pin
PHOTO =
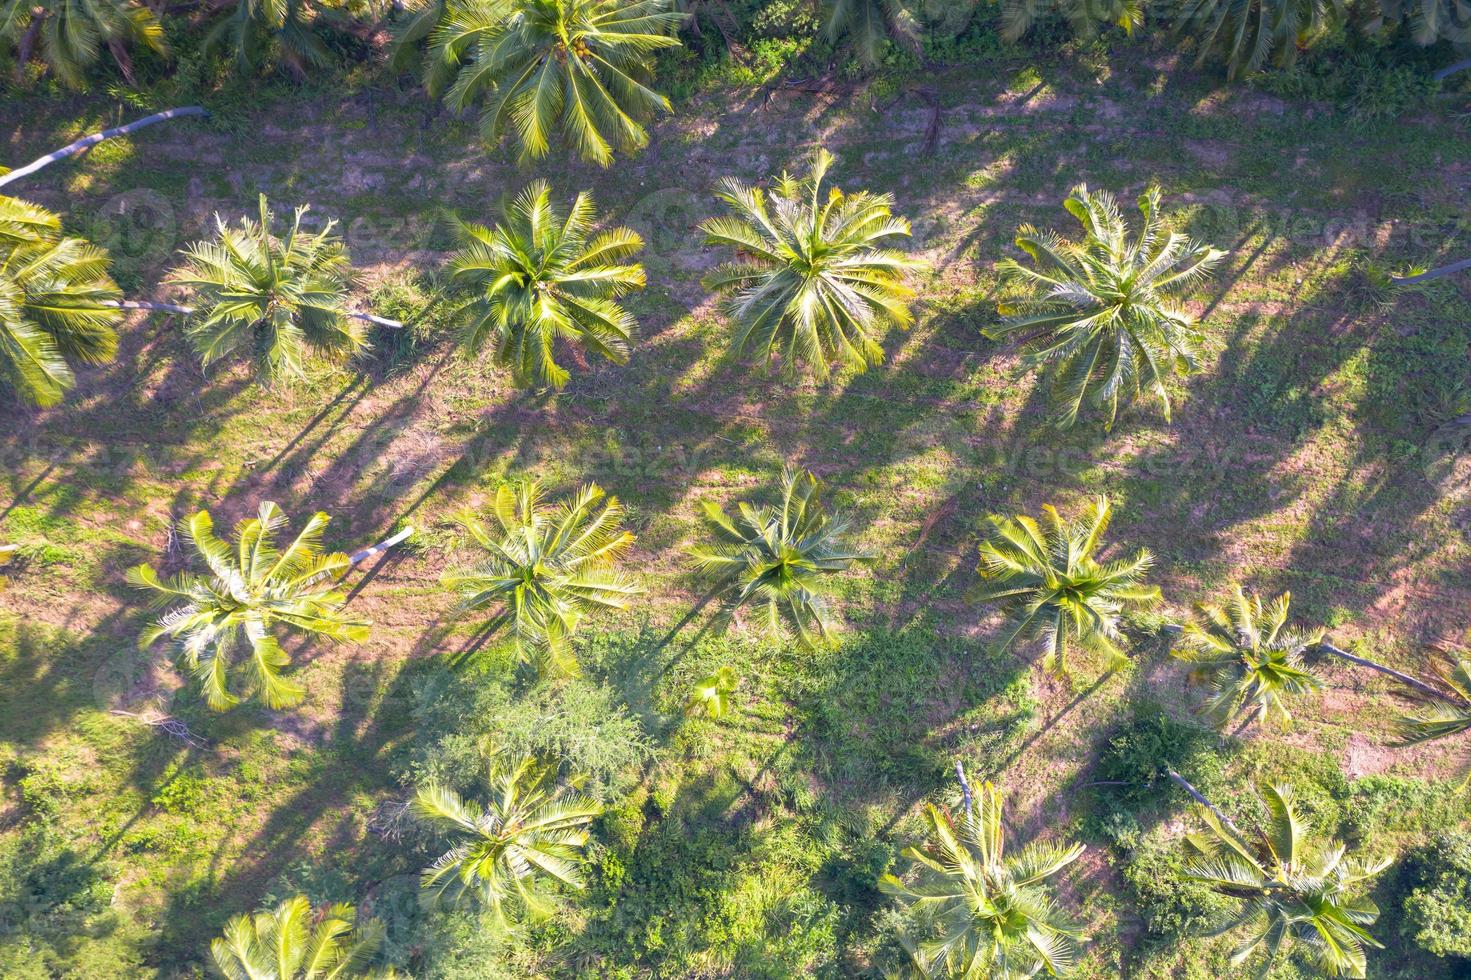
x=748, y=847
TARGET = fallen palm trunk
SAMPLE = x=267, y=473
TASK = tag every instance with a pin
x=1450, y=70
x=85, y=142
x=189, y=310
x=1403, y=678
x=1444, y=270
x=382, y=546
x=1198, y=797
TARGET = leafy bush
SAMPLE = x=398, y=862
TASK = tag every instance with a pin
x=1438, y=909
x=1170, y=905
x=1140, y=752
x=180, y=795
x=579, y=720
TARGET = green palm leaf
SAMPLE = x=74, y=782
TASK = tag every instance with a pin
x=544, y=569
x=69, y=36
x=531, y=832
x=540, y=277
x=274, y=300
x=712, y=694
x=779, y=558
x=294, y=942
x=57, y=304
x=811, y=284
x=1298, y=891
x=1053, y=588
x=1246, y=36
x=1249, y=659
x=547, y=68
x=1104, y=315
x=1444, y=717
x=249, y=589
x=975, y=912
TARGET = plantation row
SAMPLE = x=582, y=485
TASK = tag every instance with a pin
x=546, y=567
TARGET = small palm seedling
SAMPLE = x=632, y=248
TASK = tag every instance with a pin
x=293, y=942
x=811, y=282
x=68, y=38
x=271, y=299
x=57, y=304
x=1104, y=314
x=1051, y=585
x=539, y=277
x=575, y=67
x=779, y=557
x=530, y=833
x=1249, y=658
x=979, y=912
x=249, y=590
x=544, y=569
x=712, y=694
x=1299, y=892
x=1246, y=36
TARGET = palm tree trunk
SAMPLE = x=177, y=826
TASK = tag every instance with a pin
x=1450, y=70
x=381, y=546
x=151, y=307
x=188, y=310
x=1443, y=271
x=7, y=549
x=1196, y=795
x=89, y=141
x=964, y=786
x=1403, y=678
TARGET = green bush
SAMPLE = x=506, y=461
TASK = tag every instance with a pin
x=1152, y=742
x=1438, y=908
x=1170, y=905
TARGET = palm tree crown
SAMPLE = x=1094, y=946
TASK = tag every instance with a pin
x=1447, y=716
x=537, y=277
x=68, y=35
x=249, y=590
x=291, y=942
x=810, y=282
x=1248, y=35
x=871, y=23
x=779, y=557
x=271, y=298
x=1295, y=888
x=574, y=66
x=979, y=911
x=1104, y=313
x=545, y=568
x=532, y=828
x=1249, y=658
x=1051, y=585
x=54, y=304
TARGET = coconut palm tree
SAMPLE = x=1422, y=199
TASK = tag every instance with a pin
x=979, y=912
x=1249, y=658
x=544, y=569
x=1085, y=17
x=1445, y=715
x=810, y=281
x=1104, y=314
x=1051, y=585
x=779, y=557
x=251, y=31
x=540, y=276
x=293, y=942
x=55, y=297
x=531, y=831
x=872, y=23
x=1245, y=36
x=578, y=68
x=712, y=694
x=250, y=589
x=67, y=36
x=272, y=299
x=1299, y=892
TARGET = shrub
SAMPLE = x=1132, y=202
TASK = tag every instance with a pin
x=1151, y=742
x=1438, y=909
x=1169, y=903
